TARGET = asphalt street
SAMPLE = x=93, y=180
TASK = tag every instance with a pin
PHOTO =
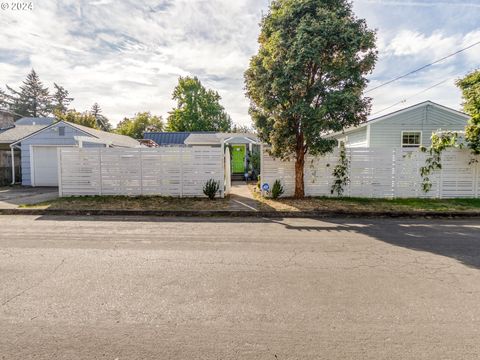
x=148, y=288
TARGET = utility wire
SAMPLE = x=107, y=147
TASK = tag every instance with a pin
x=403, y=101
x=422, y=68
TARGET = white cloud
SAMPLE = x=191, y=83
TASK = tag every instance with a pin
x=127, y=55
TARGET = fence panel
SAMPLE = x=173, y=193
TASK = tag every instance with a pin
x=166, y=171
x=381, y=173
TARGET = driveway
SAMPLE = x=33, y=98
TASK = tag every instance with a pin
x=146, y=288
x=12, y=197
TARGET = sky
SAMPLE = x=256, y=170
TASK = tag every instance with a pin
x=127, y=55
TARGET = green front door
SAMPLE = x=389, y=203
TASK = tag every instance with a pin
x=238, y=159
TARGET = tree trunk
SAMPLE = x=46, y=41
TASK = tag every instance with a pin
x=299, y=183
x=299, y=167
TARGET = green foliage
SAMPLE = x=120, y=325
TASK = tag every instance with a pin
x=255, y=161
x=61, y=99
x=138, y=125
x=211, y=188
x=198, y=109
x=102, y=122
x=75, y=117
x=340, y=172
x=470, y=86
x=308, y=77
x=277, y=189
x=32, y=99
x=441, y=141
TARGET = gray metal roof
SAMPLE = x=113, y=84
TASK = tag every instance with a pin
x=35, y=121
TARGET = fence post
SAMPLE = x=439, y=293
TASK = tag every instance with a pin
x=141, y=171
x=100, y=182
x=59, y=169
x=181, y=172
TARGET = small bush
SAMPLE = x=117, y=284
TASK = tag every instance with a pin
x=277, y=189
x=211, y=188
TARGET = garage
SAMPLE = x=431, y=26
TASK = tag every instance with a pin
x=45, y=166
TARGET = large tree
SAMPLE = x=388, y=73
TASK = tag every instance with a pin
x=32, y=99
x=198, y=109
x=61, y=100
x=308, y=77
x=470, y=86
x=102, y=122
x=142, y=122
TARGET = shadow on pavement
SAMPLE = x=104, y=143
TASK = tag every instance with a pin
x=455, y=239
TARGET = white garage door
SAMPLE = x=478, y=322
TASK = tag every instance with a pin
x=45, y=166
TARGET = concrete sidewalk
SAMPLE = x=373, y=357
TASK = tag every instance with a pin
x=241, y=198
x=13, y=197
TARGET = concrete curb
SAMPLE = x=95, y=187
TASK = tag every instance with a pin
x=244, y=214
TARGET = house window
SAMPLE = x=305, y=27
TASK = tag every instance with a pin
x=61, y=131
x=411, y=139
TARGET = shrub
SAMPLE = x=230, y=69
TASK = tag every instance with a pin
x=211, y=188
x=277, y=189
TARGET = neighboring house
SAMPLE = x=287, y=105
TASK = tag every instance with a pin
x=6, y=119
x=38, y=146
x=240, y=145
x=408, y=128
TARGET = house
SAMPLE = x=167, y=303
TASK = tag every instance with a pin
x=240, y=146
x=407, y=128
x=37, y=141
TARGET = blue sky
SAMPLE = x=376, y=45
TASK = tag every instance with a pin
x=127, y=55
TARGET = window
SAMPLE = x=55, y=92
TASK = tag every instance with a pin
x=61, y=131
x=411, y=139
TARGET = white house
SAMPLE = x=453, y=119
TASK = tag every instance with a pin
x=408, y=128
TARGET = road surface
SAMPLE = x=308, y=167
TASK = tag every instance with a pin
x=113, y=288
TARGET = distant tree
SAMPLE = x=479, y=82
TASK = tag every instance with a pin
x=102, y=122
x=198, y=109
x=142, y=122
x=61, y=100
x=33, y=99
x=308, y=77
x=470, y=86
x=75, y=117
x=242, y=129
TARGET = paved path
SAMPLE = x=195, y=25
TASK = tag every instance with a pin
x=103, y=288
x=241, y=198
x=12, y=197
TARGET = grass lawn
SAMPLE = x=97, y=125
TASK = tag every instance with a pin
x=131, y=203
x=366, y=205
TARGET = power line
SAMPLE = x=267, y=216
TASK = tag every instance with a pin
x=403, y=101
x=422, y=68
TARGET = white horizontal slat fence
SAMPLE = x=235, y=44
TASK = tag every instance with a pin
x=380, y=173
x=165, y=171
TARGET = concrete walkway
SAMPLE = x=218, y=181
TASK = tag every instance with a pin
x=241, y=198
x=13, y=197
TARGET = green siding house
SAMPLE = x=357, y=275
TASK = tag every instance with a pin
x=407, y=128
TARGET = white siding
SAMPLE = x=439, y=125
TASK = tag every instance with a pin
x=427, y=119
x=46, y=137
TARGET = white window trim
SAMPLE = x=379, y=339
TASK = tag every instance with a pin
x=411, y=131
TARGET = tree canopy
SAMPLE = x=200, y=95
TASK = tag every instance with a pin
x=32, y=99
x=73, y=116
x=308, y=77
x=470, y=86
x=198, y=109
x=142, y=122
x=102, y=122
